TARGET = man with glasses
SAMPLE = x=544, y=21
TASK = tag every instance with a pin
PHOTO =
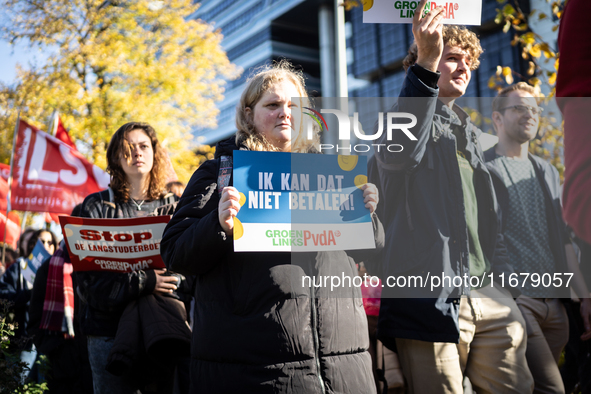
x=528, y=191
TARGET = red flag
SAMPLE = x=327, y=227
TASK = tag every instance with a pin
x=50, y=176
x=62, y=134
x=13, y=230
x=4, y=171
x=3, y=194
x=51, y=217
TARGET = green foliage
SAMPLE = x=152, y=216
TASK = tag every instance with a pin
x=11, y=368
x=113, y=62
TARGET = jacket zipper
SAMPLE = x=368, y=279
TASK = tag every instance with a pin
x=462, y=253
x=316, y=340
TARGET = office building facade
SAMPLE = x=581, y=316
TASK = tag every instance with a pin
x=256, y=32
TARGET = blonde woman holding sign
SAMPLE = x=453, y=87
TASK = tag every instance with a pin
x=257, y=328
x=136, y=165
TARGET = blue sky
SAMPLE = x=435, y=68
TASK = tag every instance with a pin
x=11, y=56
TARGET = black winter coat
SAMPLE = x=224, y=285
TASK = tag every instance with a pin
x=14, y=288
x=257, y=328
x=153, y=334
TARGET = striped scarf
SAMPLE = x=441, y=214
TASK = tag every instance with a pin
x=58, y=307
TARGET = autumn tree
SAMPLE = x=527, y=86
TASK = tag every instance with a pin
x=111, y=62
x=543, y=61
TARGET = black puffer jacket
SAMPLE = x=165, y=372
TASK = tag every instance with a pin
x=152, y=330
x=257, y=328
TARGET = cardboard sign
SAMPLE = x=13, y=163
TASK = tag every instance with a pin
x=300, y=202
x=119, y=245
x=456, y=12
x=32, y=264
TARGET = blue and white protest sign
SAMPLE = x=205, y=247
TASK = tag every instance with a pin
x=32, y=264
x=300, y=202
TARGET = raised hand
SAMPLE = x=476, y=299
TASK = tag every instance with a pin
x=428, y=33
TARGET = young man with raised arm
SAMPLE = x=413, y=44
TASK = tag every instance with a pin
x=441, y=219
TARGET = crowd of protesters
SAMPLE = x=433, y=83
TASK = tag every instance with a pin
x=250, y=326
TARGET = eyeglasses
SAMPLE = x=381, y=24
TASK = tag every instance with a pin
x=522, y=109
x=46, y=242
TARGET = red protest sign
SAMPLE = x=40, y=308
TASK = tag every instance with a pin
x=50, y=176
x=119, y=245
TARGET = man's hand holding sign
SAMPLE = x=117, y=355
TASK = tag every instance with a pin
x=428, y=35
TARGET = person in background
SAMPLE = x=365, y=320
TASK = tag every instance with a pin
x=576, y=369
x=11, y=256
x=47, y=238
x=528, y=191
x=16, y=289
x=54, y=325
x=176, y=187
x=257, y=328
x=573, y=96
x=23, y=242
x=183, y=371
x=136, y=164
x=441, y=216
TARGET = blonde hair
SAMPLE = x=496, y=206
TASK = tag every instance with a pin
x=499, y=101
x=453, y=36
x=257, y=85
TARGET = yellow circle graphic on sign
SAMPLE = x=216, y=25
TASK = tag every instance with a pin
x=347, y=163
x=238, y=229
x=360, y=180
x=242, y=199
x=367, y=4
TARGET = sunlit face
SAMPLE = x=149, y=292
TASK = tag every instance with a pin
x=47, y=241
x=517, y=120
x=454, y=67
x=140, y=163
x=273, y=115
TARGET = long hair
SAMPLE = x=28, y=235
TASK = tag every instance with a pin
x=119, y=148
x=35, y=237
x=257, y=85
